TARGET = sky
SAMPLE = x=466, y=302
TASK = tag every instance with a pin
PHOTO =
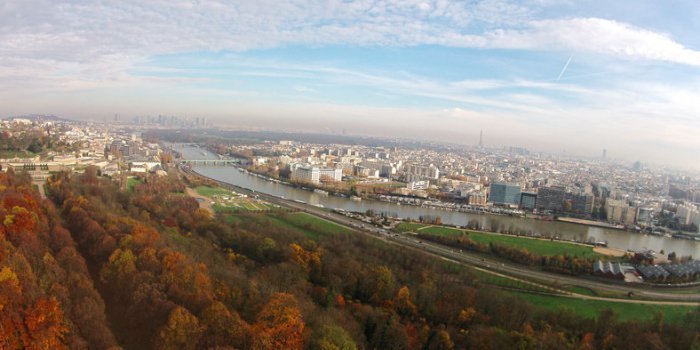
x=572, y=77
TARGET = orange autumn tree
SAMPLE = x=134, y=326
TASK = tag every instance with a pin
x=223, y=327
x=306, y=259
x=38, y=326
x=403, y=303
x=11, y=328
x=279, y=324
x=44, y=321
x=182, y=331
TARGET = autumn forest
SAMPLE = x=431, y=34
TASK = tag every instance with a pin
x=98, y=266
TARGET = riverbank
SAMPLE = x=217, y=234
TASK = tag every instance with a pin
x=445, y=206
x=477, y=260
x=613, y=252
x=590, y=223
x=525, y=226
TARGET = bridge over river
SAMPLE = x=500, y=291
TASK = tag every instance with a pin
x=210, y=162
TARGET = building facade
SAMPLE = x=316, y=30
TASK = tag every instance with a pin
x=504, y=194
x=551, y=198
x=314, y=174
x=620, y=212
x=528, y=200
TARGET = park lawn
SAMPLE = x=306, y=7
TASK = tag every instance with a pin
x=408, y=226
x=284, y=223
x=224, y=208
x=684, y=291
x=538, y=246
x=305, y=224
x=249, y=206
x=316, y=224
x=266, y=206
x=132, y=182
x=241, y=204
x=581, y=290
x=592, y=308
x=508, y=283
x=441, y=231
x=212, y=191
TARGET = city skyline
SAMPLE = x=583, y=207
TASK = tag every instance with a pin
x=550, y=75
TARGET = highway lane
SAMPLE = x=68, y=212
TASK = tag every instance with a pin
x=481, y=261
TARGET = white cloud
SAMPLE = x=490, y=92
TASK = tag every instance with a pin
x=86, y=32
x=598, y=36
x=66, y=45
x=63, y=47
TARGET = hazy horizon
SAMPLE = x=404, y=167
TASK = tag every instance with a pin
x=544, y=75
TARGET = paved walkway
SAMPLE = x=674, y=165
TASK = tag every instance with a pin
x=40, y=188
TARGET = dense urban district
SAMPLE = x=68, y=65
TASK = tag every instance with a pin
x=113, y=238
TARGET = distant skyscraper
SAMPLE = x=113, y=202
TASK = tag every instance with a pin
x=481, y=138
x=605, y=153
x=637, y=166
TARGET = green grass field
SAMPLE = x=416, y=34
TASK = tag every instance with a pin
x=218, y=208
x=230, y=205
x=581, y=290
x=211, y=191
x=442, y=231
x=408, y=226
x=508, y=283
x=537, y=246
x=592, y=308
x=316, y=224
x=132, y=182
x=308, y=225
x=242, y=204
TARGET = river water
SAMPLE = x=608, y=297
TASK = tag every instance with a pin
x=615, y=238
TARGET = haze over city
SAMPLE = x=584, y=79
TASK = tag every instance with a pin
x=553, y=76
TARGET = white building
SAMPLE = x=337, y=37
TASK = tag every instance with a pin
x=418, y=185
x=414, y=171
x=146, y=166
x=330, y=174
x=619, y=211
x=687, y=214
x=316, y=174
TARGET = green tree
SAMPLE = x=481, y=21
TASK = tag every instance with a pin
x=331, y=337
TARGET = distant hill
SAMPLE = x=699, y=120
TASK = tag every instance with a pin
x=40, y=117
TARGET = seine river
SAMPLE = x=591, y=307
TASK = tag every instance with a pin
x=615, y=238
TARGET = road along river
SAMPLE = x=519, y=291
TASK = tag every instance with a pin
x=615, y=238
